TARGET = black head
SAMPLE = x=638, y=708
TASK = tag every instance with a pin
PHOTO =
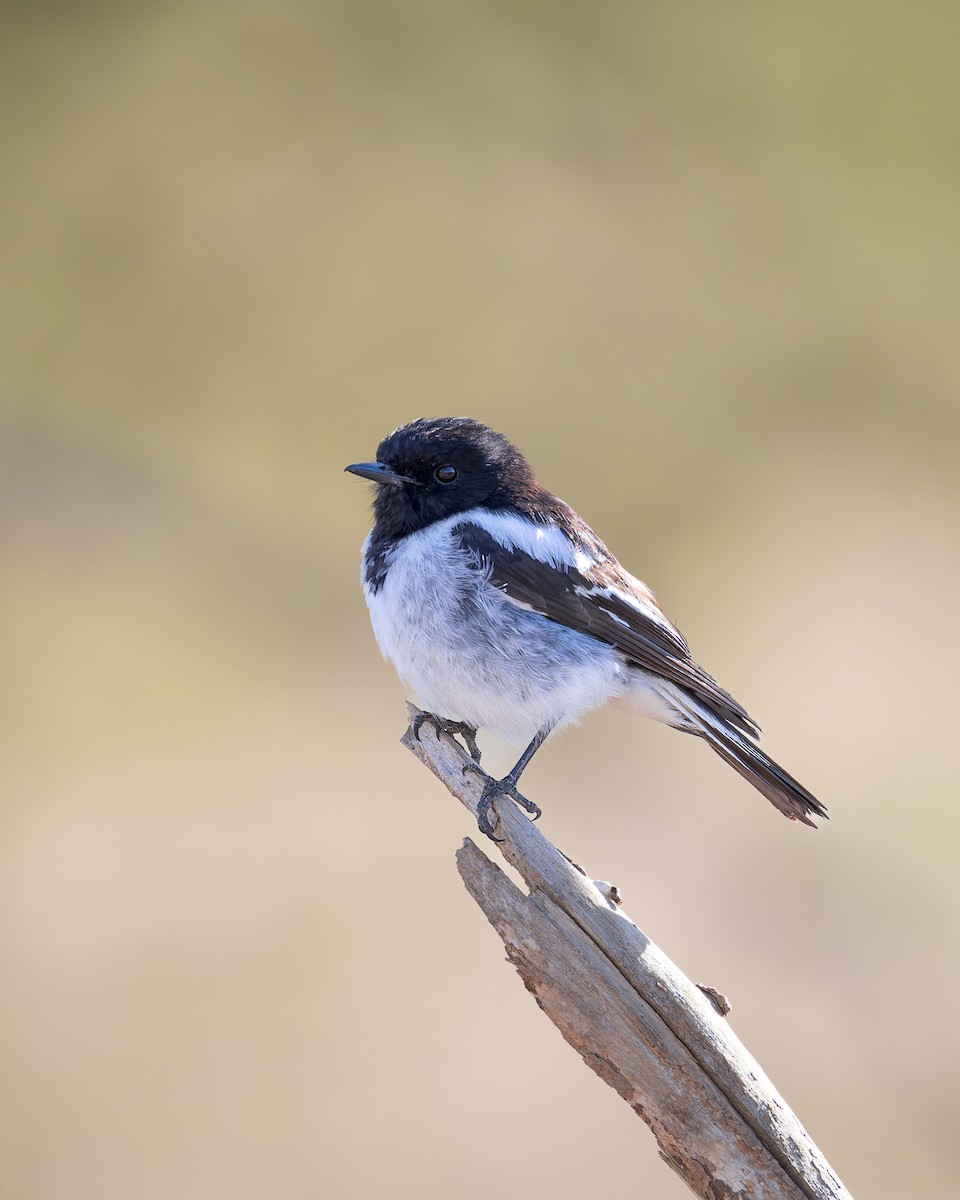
x=436, y=467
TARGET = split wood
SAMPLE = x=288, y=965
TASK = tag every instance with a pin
x=633, y=1016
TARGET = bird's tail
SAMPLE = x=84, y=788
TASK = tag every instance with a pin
x=736, y=748
x=768, y=777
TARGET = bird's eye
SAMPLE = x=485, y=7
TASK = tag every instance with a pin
x=445, y=474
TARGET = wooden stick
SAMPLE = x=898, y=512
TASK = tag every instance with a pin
x=630, y=1012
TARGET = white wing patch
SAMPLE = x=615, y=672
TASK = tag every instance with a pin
x=544, y=542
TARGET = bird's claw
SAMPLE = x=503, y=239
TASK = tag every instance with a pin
x=494, y=789
x=527, y=805
x=484, y=805
x=452, y=728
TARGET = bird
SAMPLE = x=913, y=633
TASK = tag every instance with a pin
x=503, y=611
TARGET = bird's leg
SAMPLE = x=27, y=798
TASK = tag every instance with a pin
x=507, y=786
x=442, y=725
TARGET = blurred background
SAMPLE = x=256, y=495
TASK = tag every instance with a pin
x=701, y=263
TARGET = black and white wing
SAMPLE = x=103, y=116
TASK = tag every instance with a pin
x=573, y=579
x=586, y=589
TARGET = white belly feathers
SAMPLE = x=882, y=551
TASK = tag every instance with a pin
x=471, y=654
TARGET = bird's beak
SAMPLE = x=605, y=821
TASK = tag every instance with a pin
x=377, y=472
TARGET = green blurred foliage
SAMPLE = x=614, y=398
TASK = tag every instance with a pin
x=701, y=262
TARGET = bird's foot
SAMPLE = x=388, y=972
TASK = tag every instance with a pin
x=453, y=728
x=493, y=790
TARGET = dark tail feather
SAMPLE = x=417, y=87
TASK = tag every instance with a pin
x=768, y=777
x=743, y=754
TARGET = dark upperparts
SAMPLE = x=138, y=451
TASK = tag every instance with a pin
x=606, y=604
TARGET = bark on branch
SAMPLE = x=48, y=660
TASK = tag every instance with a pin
x=635, y=1018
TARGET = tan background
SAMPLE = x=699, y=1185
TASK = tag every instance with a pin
x=700, y=262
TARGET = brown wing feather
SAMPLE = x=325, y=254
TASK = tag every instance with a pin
x=599, y=606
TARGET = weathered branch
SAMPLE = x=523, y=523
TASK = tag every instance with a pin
x=631, y=1013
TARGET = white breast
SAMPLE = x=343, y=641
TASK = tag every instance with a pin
x=471, y=654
